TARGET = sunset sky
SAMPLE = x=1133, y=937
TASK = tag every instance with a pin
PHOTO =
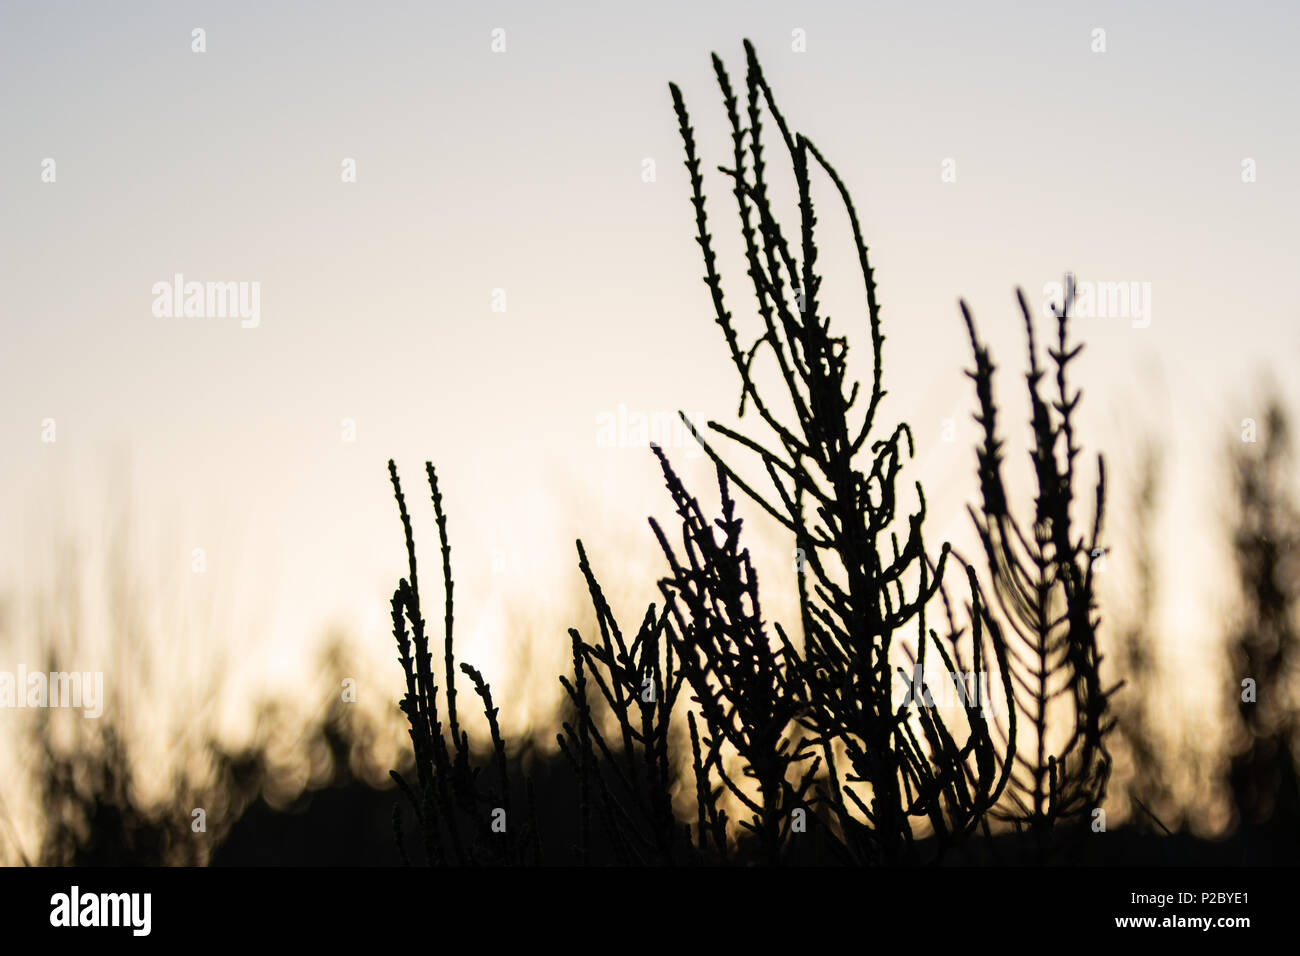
x=524, y=171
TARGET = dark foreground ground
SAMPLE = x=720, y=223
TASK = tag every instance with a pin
x=350, y=824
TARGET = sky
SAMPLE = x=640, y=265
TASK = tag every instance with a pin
x=515, y=259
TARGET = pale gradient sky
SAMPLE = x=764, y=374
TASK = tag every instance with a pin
x=522, y=171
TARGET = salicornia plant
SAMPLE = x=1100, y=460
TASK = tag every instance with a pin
x=463, y=820
x=835, y=490
x=1042, y=574
x=711, y=714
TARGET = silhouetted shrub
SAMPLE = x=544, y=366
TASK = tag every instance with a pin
x=462, y=819
x=1042, y=578
x=805, y=734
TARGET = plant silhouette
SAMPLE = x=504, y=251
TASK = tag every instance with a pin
x=808, y=733
x=1044, y=585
